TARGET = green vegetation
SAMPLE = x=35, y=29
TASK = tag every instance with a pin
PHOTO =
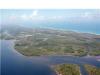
x=73, y=69
x=55, y=42
x=92, y=70
x=95, y=52
x=39, y=41
x=67, y=69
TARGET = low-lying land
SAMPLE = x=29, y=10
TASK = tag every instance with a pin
x=56, y=42
x=39, y=41
x=92, y=70
x=67, y=69
x=73, y=69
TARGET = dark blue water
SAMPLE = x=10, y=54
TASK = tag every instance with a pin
x=13, y=63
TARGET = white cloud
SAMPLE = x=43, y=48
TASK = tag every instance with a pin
x=77, y=17
x=35, y=16
x=34, y=13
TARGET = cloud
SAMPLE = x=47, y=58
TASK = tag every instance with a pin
x=70, y=17
x=34, y=14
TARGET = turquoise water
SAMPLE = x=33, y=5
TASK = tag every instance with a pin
x=80, y=27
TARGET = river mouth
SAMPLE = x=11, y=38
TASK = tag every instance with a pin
x=13, y=63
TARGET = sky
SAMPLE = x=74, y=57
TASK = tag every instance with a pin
x=75, y=19
x=36, y=15
x=51, y=4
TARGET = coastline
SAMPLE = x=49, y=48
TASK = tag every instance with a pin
x=68, y=54
x=65, y=62
x=71, y=30
x=96, y=57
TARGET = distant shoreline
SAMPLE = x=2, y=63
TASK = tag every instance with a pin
x=77, y=31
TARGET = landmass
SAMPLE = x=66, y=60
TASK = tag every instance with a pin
x=92, y=70
x=74, y=69
x=44, y=41
x=67, y=69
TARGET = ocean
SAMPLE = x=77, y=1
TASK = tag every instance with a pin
x=80, y=27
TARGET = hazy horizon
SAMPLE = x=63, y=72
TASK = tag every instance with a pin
x=85, y=20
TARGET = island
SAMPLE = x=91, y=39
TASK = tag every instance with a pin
x=74, y=69
x=92, y=70
x=48, y=42
x=67, y=69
